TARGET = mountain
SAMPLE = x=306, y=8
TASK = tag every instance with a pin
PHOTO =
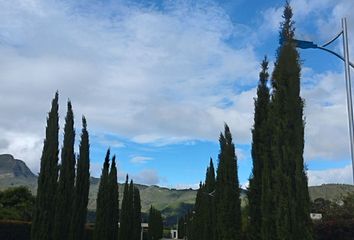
x=172, y=203
x=330, y=192
x=11, y=167
x=14, y=172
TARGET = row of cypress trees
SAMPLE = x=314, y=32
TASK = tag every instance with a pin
x=155, y=230
x=205, y=208
x=278, y=197
x=278, y=193
x=217, y=210
x=62, y=194
x=107, y=209
x=130, y=224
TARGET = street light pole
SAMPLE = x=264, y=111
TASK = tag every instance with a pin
x=308, y=44
x=349, y=88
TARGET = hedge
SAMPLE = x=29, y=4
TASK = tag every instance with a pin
x=341, y=229
x=21, y=230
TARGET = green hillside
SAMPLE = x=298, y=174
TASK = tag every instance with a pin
x=330, y=192
x=172, y=202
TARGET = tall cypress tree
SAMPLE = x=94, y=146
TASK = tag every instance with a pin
x=260, y=152
x=79, y=211
x=102, y=226
x=155, y=230
x=199, y=213
x=292, y=220
x=113, y=200
x=181, y=227
x=227, y=192
x=42, y=224
x=137, y=215
x=65, y=196
x=125, y=218
x=204, y=208
x=131, y=210
x=209, y=205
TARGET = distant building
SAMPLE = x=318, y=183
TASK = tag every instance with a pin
x=174, y=234
x=316, y=216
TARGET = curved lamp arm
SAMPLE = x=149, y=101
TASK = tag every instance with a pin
x=308, y=44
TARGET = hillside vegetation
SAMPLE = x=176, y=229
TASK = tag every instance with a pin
x=171, y=202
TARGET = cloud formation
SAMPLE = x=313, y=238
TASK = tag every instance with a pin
x=147, y=176
x=140, y=159
x=154, y=74
x=335, y=175
x=145, y=74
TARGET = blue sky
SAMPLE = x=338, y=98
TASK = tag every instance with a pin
x=156, y=81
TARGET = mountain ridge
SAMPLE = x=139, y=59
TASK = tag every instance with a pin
x=172, y=202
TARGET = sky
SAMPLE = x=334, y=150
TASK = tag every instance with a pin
x=157, y=80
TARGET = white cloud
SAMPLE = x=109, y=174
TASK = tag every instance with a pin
x=147, y=75
x=140, y=159
x=335, y=175
x=24, y=146
x=181, y=186
x=245, y=185
x=326, y=130
x=147, y=176
x=105, y=141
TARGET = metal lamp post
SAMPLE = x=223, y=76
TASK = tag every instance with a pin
x=308, y=44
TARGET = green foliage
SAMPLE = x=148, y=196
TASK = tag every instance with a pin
x=113, y=201
x=136, y=215
x=125, y=218
x=181, y=227
x=289, y=180
x=199, y=214
x=65, y=190
x=102, y=226
x=130, y=224
x=79, y=210
x=42, y=224
x=227, y=193
x=155, y=230
x=204, y=217
x=16, y=204
x=260, y=156
x=337, y=218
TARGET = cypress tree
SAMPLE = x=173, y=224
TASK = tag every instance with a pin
x=65, y=196
x=292, y=220
x=181, y=227
x=113, y=200
x=204, y=208
x=199, y=213
x=152, y=224
x=159, y=221
x=79, y=211
x=209, y=206
x=124, y=213
x=260, y=152
x=155, y=230
x=130, y=209
x=102, y=225
x=137, y=214
x=188, y=224
x=227, y=194
x=42, y=224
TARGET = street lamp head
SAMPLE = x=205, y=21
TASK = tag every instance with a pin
x=305, y=44
x=300, y=43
